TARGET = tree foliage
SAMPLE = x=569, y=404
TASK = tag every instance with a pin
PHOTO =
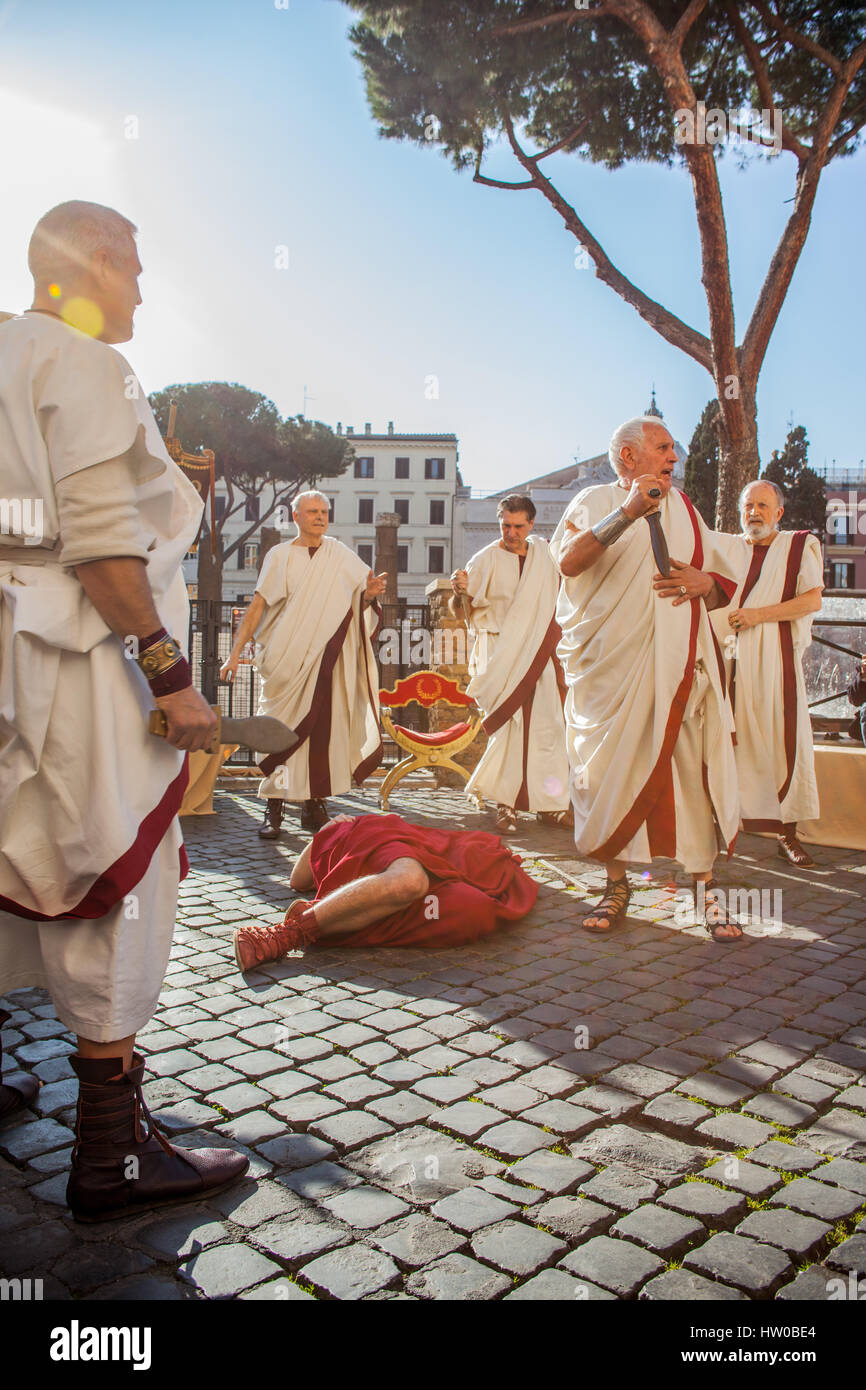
x=805, y=493
x=605, y=81
x=702, y=463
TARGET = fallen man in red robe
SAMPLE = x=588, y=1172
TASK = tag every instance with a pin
x=380, y=881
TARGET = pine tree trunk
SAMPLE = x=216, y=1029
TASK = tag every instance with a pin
x=739, y=462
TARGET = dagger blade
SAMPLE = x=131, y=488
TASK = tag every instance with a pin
x=657, y=539
x=260, y=732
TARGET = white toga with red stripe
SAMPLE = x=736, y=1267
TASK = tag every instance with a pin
x=775, y=750
x=649, y=725
x=513, y=678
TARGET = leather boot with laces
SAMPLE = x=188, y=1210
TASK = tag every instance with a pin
x=260, y=943
x=121, y=1162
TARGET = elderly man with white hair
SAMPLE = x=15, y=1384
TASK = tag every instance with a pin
x=764, y=633
x=649, y=725
x=311, y=613
x=93, y=615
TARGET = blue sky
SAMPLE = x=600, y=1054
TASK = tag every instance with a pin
x=251, y=132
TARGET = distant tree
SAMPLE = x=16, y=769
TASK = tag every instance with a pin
x=257, y=454
x=702, y=463
x=805, y=493
x=613, y=81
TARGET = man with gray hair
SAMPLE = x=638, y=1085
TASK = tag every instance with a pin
x=649, y=726
x=311, y=613
x=780, y=576
x=93, y=617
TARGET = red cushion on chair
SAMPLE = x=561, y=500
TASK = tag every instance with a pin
x=439, y=740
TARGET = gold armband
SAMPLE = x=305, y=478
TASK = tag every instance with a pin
x=160, y=657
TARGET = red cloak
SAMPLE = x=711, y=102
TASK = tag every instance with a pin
x=475, y=880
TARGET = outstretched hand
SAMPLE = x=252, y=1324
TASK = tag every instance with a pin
x=683, y=584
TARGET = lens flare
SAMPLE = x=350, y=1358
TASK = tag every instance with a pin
x=84, y=315
x=54, y=291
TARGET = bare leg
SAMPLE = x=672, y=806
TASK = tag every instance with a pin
x=369, y=899
x=615, y=871
x=715, y=914
x=122, y=1049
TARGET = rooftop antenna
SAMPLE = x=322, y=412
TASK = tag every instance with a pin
x=307, y=397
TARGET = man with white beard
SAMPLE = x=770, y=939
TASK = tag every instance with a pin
x=649, y=727
x=764, y=634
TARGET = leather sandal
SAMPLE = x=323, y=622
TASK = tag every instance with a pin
x=613, y=907
x=506, y=820
x=789, y=848
x=565, y=818
x=714, y=902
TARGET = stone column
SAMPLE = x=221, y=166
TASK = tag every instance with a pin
x=387, y=524
x=450, y=656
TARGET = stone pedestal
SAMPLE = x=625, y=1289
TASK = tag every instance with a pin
x=449, y=656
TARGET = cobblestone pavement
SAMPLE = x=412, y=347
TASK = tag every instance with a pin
x=543, y=1115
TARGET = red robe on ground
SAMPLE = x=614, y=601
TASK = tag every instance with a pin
x=477, y=882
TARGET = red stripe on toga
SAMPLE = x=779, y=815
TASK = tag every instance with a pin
x=786, y=643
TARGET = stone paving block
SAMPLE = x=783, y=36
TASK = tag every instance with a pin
x=296, y=1150
x=485, y=1071
x=715, y=1090
x=855, y=1096
x=832, y=1073
x=850, y=1255
x=515, y=1139
x=422, y=1165
x=418, y=1240
x=742, y=1176
x=254, y=1128
x=550, y=1080
x=788, y=1158
x=295, y=1241
x=333, y=1068
x=642, y=1080
x=365, y=1207
x=277, y=1290
x=575, y=1218
x=654, y=1155
x=444, y=1090
x=34, y=1247
x=512, y=1097
x=800, y=1236
x=804, y=1088
x=682, y=1286
x=565, y=1119
x=401, y=1073
x=747, y=1070
x=176, y=1238
x=175, y=1061
x=213, y=1077
x=226, y=1270
x=186, y=1113
x=553, y=1173
x=283, y=1085
x=608, y=1100
x=457, y=1278
x=671, y=1111
x=620, y=1187
x=818, y=1199
x=357, y=1090
x=472, y=1208
x=842, y=1172
x=374, y=1053
x=709, y=1203
x=512, y=1191
x=303, y=1109
x=305, y=1049
x=36, y=1137
x=735, y=1131
x=350, y=1035
x=350, y=1129
x=405, y=1108
x=555, y=1285
x=616, y=1265
x=252, y=1204
x=319, y=1180
x=815, y=1285
x=44, y=1050
x=351, y=1272
x=467, y=1118
x=516, y=1248
x=781, y=1110
x=841, y=1133
x=758, y=1270
x=666, y=1233
x=88, y=1268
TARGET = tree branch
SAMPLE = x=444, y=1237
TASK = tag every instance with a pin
x=666, y=324
x=842, y=141
x=798, y=40
x=762, y=78
x=566, y=139
x=685, y=22
x=478, y=177
x=570, y=16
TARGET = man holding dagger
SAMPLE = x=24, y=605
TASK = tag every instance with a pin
x=649, y=725
x=91, y=620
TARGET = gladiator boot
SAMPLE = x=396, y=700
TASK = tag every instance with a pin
x=25, y=1090
x=259, y=943
x=270, y=828
x=121, y=1162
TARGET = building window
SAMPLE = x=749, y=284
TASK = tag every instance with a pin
x=437, y=559
x=402, y=559
x=365, y=553
x=437, y=512
x=251, y=510
x=220, y=502
x=401, y=507
x=251, y=555
x=434, y=468
x=842, y=576
x=364, y=468
x=365, y=510
x=401, y=468
x=331, y=504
